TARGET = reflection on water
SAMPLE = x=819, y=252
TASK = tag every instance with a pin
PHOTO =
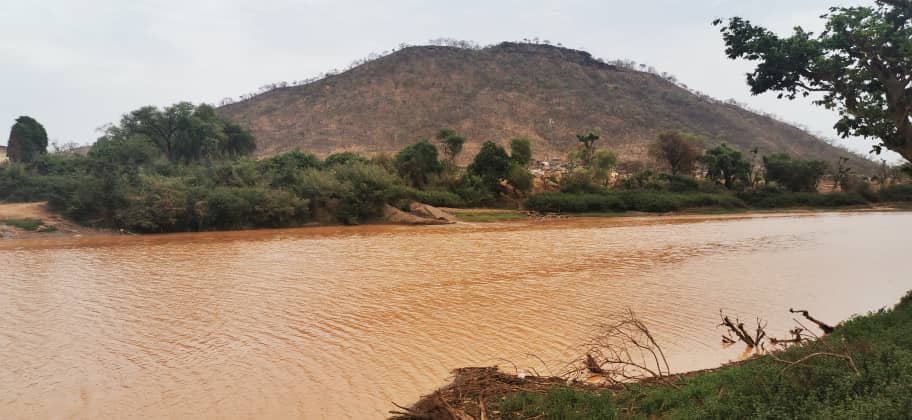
x=338, y=322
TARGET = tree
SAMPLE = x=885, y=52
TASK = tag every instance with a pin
x=861, y=64
x=491, y=164
x=726, y=165
x=417, y=162
x=184, y=132
x=794, y=174
x=343, y=158
x=27, y=140
x=843, y=174
x=452, y=143
x=521, y=151
x=602, y=163
x=676, y=149
x=588, y=143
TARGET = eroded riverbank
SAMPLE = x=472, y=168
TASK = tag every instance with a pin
x=333, y=322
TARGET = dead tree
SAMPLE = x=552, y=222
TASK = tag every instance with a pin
x=825, y=327
x=624, y=351
x=737, y=328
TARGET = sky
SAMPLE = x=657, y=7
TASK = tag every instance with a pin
x=78, y=65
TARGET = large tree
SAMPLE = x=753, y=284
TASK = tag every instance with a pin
x=861, y=64
x=184, y=132
x=679, y=151
x=491, y=164
x=417, y=162
x=27, y=140
x=726, y=165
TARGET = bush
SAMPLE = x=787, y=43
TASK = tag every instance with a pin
x=896, y=193
x=438, y=198
x=578, y=182
x=573, y=203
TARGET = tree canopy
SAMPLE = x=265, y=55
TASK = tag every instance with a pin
x=417, y=162
x=794, y=174
x=588, y=146
x=861, y=64
x=184, y=132
x=521, y=151
x=452, y=143
x=726, y=165
x=677, y=150
x=27, y=140
x=491, y=164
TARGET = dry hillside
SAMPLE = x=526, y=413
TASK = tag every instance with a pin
x=544, y=93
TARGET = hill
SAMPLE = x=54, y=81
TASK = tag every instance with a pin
x=545, y=93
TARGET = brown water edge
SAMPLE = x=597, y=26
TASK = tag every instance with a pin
x=334, y=322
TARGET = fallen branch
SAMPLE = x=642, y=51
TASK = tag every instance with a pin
x=825, y=327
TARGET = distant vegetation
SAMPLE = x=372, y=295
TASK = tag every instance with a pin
x=184, y=168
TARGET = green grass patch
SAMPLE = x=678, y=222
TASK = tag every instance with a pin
x=28, y=224
x=489, y=216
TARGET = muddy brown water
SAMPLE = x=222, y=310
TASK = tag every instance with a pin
x=338, y=322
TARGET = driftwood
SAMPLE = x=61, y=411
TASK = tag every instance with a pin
x=737, y=328
x=827, y=329
x=624, y=351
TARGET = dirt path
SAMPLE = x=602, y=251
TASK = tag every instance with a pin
x=51, y=225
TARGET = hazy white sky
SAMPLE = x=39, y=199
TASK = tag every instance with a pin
x=76, y=65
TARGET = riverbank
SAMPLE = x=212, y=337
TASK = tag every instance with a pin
x=862, y=369
x=31, y=221
x=35, y=220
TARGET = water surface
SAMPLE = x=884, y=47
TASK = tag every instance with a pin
x=338, y=322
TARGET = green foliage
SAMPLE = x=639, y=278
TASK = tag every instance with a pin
x=603, y=162
x=559, y=404
x=574, y=203
x=521, y=151
x=679, y=151
x=26, y=224
x=897, y=193
x=27, y=140
x=860, y=62
x=343, y=158
x=363, y=191
x=452, y=143
x=794, y=174
x=822, y=387
x=641, y=200
x=771, y=197
x=578, y=181
x=726, y=165
x=587, y=142
x=520, y=178
x=474, y=191
x=491, y=164
x=438, y=198
x=184, y=132
x=418, y=162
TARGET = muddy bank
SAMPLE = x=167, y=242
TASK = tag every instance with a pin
x=35, y=220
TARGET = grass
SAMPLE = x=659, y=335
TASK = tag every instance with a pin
x=880, y=345
x=489, y=216
x=31, y=225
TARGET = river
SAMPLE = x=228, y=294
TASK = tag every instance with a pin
x=338, y=322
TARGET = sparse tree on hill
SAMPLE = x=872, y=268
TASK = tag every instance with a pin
x=588, y=144
x=521, y=151
x=726, y=165
x=860, y=63
x=602, y=163
x=677, y=150
x=27, y=140
x=452, y=143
